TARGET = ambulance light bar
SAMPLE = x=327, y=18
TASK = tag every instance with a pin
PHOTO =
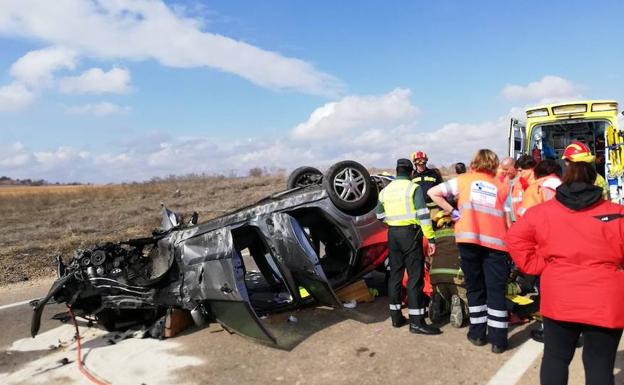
x=599, y=107
x=537, y=113
x=570, y=109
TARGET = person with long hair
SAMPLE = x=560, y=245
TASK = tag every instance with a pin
x=575, y=242
x=479, y=231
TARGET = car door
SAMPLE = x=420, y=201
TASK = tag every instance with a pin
x=214, y=274
x=294, y=251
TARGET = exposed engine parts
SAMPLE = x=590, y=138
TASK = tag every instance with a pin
x=126, y=264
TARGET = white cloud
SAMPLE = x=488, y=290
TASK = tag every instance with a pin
x=15, y=97
x=96, y=81
x=15, y=156
x=381, y=129
x=63, y=157
x=358, y=113
x=36, y=68
x=97, y=109
x=394, y=135
x=142, y=30
x=547, y=89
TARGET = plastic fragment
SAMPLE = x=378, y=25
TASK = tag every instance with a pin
x=351, y=304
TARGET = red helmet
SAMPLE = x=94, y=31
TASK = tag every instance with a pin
x=419, y=155
x=578, y=152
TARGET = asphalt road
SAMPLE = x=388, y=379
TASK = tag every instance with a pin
x=325, y=346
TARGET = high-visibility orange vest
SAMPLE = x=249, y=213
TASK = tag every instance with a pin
x=480, y=203
x=516, y=197
x=521, y=183
x=537, y=193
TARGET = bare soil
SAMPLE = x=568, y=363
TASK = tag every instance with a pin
x=39, y=223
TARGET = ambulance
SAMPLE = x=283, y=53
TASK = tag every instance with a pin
x=550, y=128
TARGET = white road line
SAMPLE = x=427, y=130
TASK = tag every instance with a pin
x=512, y=371
x=16, y=304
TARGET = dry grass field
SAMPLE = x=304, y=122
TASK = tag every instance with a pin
x=40, y=222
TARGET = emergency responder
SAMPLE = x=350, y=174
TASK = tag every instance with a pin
x=575, y=242
x=402, y=207
x=424, y=176
x=524, y=177
x=460, y=168
x=579, y=152
x=507, y=170
x=547, y=175
x=505, y=173
x=479, y=232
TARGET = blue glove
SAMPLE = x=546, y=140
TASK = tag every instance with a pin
x=455, y=215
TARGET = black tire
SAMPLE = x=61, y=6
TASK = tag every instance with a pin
x=304, y=176
x=350, y=187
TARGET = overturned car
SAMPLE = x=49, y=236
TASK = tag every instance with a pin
x=289, y=249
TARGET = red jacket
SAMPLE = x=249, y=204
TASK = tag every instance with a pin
x=580, y=257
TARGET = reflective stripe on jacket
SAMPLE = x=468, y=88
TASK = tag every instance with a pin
x=516, y=198
x=480, y=203
x=538, y=193
x=402, y=204
x=426, y=180
x=524, y=179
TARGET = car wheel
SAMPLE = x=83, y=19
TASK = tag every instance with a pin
x=350, y=187
x=304, y=176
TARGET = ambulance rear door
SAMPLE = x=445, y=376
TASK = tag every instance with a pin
x=517, y=138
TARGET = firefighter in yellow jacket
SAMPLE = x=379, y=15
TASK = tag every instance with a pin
x=402, y=207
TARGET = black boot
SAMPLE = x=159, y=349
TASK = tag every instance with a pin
x=538, y=334
x=397, y=318
x=419, y=326
x=498, y=349
x=477, y=341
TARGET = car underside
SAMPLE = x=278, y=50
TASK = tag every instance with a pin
x=290, y=249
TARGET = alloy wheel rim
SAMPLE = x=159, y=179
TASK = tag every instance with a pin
x=350, y=185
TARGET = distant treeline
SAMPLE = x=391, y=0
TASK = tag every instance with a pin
x=6, y=181
x=255, y=172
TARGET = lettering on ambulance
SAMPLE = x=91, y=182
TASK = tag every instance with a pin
x=483, y=193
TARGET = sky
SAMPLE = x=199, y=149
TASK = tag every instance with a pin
x=108, y=91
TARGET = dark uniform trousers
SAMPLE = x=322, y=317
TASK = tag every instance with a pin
x=405, y=244
x=485, y=276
